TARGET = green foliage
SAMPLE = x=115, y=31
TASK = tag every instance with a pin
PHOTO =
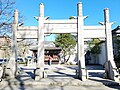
x=71, y=17
x=66, y=42
x=24, y=63
x=116, y=40
x=94, y=46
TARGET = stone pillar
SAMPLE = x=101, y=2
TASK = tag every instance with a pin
x=12, y=65
x=15, y=25
x=80, y=41
x=110, y=67
x=40, y=55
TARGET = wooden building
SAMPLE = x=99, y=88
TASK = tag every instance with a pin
x=50, y=53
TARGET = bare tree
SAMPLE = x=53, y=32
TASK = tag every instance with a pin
x=24, y=46
x=6, y=15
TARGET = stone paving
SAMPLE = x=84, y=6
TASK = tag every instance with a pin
x=60, y=77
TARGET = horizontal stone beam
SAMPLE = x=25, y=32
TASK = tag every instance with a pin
x=94, y=32
x=89, y=31
x=65, y=21
x=27, y=28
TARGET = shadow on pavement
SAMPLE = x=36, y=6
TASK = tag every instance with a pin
x=108, y=83
x=21, y=84
x=31, y=74
x=62, y=75
x=7, y=85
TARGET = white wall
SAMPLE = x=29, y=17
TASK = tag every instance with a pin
x=102, y=56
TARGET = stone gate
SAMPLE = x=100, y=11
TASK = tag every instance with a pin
x=47, y=26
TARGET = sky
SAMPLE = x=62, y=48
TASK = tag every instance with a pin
x=63, y=9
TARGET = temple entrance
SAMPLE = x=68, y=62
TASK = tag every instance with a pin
x=49, y=53
x=74, y=26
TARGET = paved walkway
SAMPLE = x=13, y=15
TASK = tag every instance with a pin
x=60, y=77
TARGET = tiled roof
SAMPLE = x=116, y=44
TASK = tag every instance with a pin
x=116, y=30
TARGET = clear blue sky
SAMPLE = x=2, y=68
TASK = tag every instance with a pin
x=63, y=9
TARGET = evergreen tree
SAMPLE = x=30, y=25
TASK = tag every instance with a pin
x=67, y=43
x=95, y=48
x=117, y=49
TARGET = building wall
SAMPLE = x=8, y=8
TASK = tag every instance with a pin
x=102, y=56
x=2, y=53
x=4, y=41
